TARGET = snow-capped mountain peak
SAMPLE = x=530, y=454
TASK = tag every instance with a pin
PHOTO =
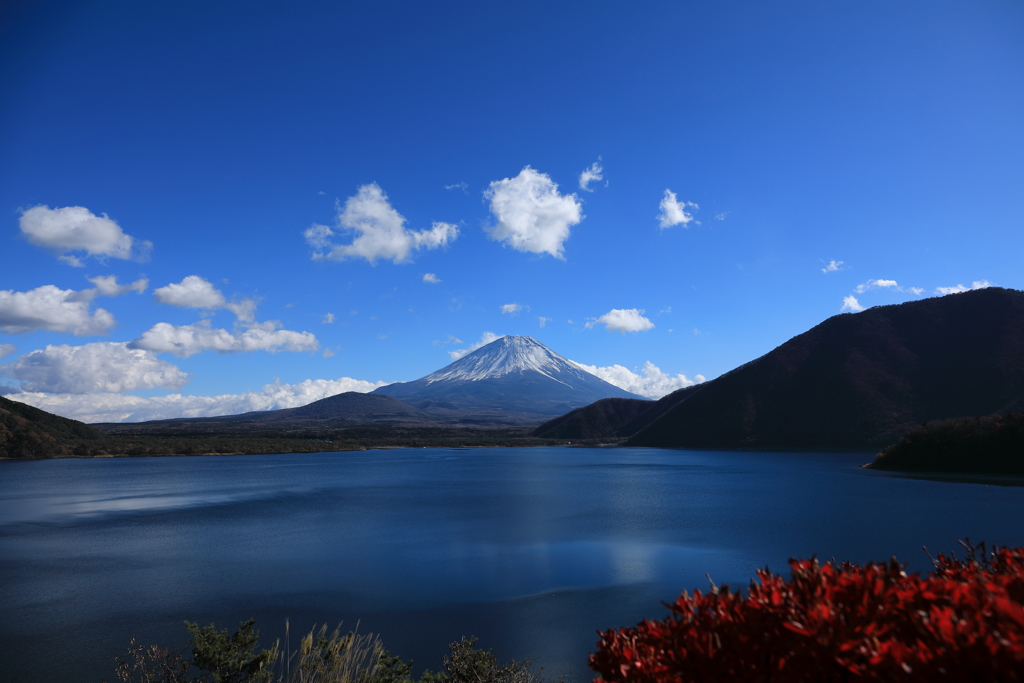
x=514, y=378
x=505, y=356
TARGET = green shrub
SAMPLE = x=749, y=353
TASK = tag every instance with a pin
x=231, y=659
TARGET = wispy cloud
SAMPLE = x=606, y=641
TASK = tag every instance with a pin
x=890, y=285
x=850, y=303
x=594, y=173
x=452, y=339
x=876, y=284
x=623, y=320
x=543, y=321
x=532, y=215
x=833, y=266
x=458, y=186
x=956, y=289
x=380, y=231
x=431, y=278
x=328, y=318
x=75, y=229
x=511, y=309
x=485, y=339
x=673, y=212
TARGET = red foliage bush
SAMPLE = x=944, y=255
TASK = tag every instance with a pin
x=837, y=622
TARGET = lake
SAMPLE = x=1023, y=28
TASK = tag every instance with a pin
x=532, y=550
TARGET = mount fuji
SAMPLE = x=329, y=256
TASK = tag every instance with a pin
x=515, y=378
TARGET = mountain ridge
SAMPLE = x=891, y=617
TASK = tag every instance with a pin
x=860, y=381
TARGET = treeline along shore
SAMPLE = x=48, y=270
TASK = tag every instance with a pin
x=28, y=433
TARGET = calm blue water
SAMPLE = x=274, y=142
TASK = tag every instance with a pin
x=532, y=550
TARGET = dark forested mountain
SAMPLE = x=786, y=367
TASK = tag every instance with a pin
x=990, y=445
x=515, y=378
x=601, y=419
x=861, y=380
x=27, y=432
x=355, y=406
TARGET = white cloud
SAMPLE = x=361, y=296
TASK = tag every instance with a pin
x=511, y=308
x=7, y=350
x=380, y=231
x=191, y=292
x=850, y=303
x=106, y=285
x=75, y=228
x=431, y=278
x=188, y=340
x=458, y=186
x=833, y=266
x=110, y=407
x=485, y=339
x=977, y=284
x=544, y=321
x=196, y=292
x=590, y=175
x=96, y=367
x=531, y=215
x=623, y=320
x=62, y=310
x=328, y=318
x=52, y=309
x=876, y=284
x=673, y=212
x=328, y=353
x=653, y=383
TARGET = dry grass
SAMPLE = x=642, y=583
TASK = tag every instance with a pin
x=331, y=658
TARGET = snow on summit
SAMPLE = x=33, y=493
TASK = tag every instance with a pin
x=504, y=356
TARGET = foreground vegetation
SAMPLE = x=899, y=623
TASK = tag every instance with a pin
x=830, y=622
x=990, y=445
x=219, y=657
x=838, y=622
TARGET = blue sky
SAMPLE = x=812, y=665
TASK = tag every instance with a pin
x=216, y=207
